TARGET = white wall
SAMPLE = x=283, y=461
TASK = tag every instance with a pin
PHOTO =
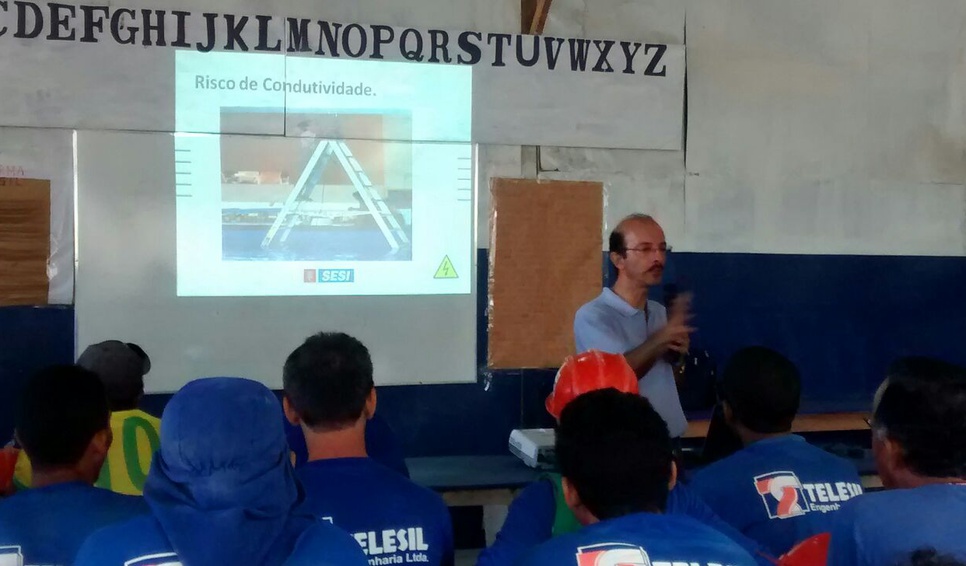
x=827, y=126
x=818, y=126
x=634, y=180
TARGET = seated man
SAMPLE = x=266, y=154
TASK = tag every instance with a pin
x=329, y=392
x=63, y=426
x=539, y=512
x=779, y=490
x=122, y=368
x=381, y=445
x=221, y=490
x=616, y=460
x=919, y=443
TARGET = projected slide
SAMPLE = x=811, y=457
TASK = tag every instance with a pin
x=345, y=203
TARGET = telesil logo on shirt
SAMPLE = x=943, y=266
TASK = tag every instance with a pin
x=623, y=554
x=394, y=546
x=612, y=554
x=785, y=496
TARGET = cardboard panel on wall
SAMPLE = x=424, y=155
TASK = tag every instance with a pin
x=544, y=264
x=35, y=153
x=24, y=240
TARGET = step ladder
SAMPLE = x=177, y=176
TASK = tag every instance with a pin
x=292, y=214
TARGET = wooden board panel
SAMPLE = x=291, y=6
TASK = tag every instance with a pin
x=545, y=262
x=24, y=240
x=822, y=422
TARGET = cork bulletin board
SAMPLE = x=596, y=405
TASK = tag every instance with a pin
x=545, y=262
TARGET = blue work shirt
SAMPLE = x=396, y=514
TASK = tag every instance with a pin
x=886, y=526
x=394, y=520
x=47, y=525
x=778, y=491
x=641, y=539
x=530, y=522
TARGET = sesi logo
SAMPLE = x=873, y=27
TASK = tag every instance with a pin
x=782, y=494
x=337, y=275
x=612, y=554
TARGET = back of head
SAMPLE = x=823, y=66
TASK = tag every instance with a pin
x=922, y=408
x=61, y=409
x=222, y=422
x=587, y=372
x=615, y=450
x=221, y=485
x=763, y=389
x=328, y=379
x=121, y=367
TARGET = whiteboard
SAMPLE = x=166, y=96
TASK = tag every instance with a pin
x=125, y=289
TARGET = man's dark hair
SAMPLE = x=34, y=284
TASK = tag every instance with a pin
x=615, y=450
x=763, y=389
x=616, y=243
x=328, y=379
x=61, y=409
x=929, y=557
x=923, y=408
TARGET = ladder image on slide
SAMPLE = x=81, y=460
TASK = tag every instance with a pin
x=293, y=212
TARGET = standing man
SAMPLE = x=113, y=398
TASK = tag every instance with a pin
x=623, y=321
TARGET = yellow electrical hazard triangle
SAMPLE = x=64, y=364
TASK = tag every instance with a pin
x=446, y=270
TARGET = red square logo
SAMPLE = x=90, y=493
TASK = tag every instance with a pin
x=309, y=275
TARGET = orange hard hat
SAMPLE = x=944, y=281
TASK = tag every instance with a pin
x=587, y=372
x=812, y=551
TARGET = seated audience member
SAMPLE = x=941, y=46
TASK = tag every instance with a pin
x=539, y=512
x=381, y=445
x=122, y=368
x=221, y=490
x=329, y=392
x=919, y=443
x=616, y=460
x=779, y=490
x=63, y=425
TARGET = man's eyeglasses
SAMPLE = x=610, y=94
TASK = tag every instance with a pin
x=663, y=248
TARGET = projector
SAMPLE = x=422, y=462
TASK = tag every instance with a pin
x=534, y=446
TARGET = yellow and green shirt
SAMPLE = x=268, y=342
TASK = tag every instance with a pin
x=136, y=438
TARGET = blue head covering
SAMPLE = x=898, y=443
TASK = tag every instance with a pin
x=221, y=486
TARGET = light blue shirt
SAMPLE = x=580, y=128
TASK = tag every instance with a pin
x=609, y=324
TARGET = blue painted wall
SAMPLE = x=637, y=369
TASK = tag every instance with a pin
x=841, y=319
